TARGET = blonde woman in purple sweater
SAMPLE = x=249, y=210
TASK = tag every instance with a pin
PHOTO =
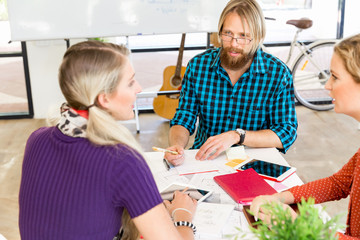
x=85, y=177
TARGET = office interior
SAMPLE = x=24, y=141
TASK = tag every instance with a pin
x=29, y=93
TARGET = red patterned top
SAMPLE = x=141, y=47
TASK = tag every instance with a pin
x=343, y=183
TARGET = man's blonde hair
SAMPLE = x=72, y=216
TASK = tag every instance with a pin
x=249, y=11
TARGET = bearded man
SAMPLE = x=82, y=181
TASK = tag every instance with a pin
x=238, y=93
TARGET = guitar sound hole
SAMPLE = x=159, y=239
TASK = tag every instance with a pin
x=175, y=82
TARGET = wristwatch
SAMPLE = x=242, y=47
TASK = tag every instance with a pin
x=241, y=133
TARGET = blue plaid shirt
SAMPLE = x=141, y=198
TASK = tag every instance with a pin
x=263, y=98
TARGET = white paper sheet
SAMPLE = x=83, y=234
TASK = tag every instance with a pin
x=191, y=165
x=210, y=219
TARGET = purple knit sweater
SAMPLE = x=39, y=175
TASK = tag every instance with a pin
x=72, y=189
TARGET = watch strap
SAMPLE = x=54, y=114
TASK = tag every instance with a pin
x=242, y=138
x=241, y=133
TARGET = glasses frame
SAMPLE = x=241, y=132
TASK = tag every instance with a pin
x=238, y=40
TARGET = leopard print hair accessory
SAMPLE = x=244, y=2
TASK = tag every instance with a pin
x=71, y=123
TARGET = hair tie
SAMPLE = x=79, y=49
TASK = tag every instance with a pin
x=92, y=105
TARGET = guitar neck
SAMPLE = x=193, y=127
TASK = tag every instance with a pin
x=180, y=56
x=165, y=106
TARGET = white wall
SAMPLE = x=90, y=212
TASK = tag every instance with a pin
x=44, y=61
x=352, y=18
x=324, y=16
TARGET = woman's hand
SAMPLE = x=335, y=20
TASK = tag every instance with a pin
x=256, y=204
x=181, y=201
x=264, y=214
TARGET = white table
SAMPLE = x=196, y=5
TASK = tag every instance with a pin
x=164, y=178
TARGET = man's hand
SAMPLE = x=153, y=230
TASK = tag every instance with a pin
x=217, y=144
x=175, y=159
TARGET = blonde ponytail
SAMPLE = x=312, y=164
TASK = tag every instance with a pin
x=89, y=69
x=102, y=129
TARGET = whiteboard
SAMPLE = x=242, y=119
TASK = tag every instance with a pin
x=46, y=19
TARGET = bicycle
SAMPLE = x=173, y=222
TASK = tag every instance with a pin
x=310, y=68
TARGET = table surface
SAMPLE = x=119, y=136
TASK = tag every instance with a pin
x=164, y=177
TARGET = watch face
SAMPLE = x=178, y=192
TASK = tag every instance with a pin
x=240, y=131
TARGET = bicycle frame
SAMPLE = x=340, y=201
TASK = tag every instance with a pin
x=309, y=66
x=304, y=49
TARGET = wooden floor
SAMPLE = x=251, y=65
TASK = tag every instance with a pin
x=325, y=142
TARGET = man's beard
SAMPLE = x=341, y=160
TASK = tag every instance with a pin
x=234, y=63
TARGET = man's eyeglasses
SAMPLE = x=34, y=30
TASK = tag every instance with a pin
x=239, y=40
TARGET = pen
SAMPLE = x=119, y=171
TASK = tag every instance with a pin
x=157, y=149
x=167, y=164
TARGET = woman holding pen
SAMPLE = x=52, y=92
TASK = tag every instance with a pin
x=344, y=87
x=85, y=177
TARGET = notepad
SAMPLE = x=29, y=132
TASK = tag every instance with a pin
x=244, y=186
x=192, y=166
x=237, y=152
x=210, y=219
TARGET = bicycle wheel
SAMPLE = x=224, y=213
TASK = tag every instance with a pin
x=310, y=73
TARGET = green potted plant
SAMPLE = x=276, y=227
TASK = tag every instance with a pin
x=308, y=225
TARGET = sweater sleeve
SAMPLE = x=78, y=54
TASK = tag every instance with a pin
x=133, y=185
x=335, y=187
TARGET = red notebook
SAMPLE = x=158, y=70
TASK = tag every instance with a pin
x=244, y=186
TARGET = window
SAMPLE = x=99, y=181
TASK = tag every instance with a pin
x=15, y=97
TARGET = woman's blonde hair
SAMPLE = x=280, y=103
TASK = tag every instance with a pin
x=349, y=51
x=249, y=11
x=87, y=70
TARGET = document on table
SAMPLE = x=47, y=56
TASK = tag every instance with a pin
x=162, y=176
x=210, y=218
x=191, y=165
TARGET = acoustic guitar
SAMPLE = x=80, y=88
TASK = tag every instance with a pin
x=165, y=105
